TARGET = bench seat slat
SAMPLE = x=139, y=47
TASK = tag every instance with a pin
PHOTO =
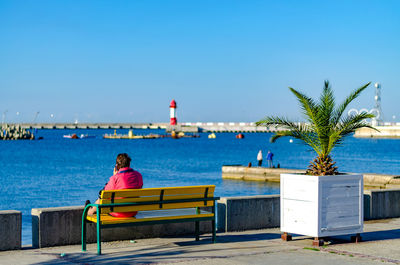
x=192, y=190
x=108, y=219
x=153, y=207
x=149, y=199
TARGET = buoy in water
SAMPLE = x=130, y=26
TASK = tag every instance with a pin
x=240, y=136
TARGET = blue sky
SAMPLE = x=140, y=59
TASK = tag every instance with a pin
x=124, y=61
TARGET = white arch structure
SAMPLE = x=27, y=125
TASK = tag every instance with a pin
x=372, y=111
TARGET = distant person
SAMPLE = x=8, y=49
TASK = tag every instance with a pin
x=259, y=158
x=270, y=156
x=124, y=177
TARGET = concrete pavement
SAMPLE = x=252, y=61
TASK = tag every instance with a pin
x=381, y=244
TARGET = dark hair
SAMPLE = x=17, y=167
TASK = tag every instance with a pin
x=123, y=160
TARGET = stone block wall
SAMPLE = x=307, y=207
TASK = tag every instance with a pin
x=10, y=230
x=250, y=212
x=382, y=204
x=63, y=225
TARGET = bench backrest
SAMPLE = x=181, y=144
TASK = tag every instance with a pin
x=156, y=198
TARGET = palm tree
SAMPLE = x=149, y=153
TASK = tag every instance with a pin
x=324, y=129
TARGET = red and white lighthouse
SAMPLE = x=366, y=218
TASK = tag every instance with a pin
x=172, y=113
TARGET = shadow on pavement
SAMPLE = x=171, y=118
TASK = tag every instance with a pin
x=366, y=236
x=221, y=238
x=164, y=253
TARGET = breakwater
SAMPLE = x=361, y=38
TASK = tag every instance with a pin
x=181, y=127
x=194, y=127
x=371, y=180
x=62, y=126
x=383, y=132
x=15, y=132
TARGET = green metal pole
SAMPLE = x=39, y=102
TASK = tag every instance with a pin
x=84, y=228
x=98, y=231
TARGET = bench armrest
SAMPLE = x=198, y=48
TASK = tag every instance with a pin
x=86, y=209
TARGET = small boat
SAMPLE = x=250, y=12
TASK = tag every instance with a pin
x=71, y=136
x=180, y=135
x=82, y=136
x=125, y=136
x=212, y=136
x=130, y=135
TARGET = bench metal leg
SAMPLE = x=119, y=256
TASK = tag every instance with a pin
x=98, y=228
x=84, y=224
x=214, y=235
x=197, y=226
x=197, y=230
x=98, y=239
x=83, y=235
x=214, y=229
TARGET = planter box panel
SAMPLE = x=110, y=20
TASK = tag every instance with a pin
x=298, y=189
x=341, y=205
x=333, y=220
x=320, y=206
x=337, y=231
x=340, y=202
x=339, y=211
x=334, y=192
x=302, y=215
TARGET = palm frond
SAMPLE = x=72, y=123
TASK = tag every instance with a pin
x=277, y=122
x=299, y=131
x=307, y=104
x=351, y=123
x=326, y=106
x=347, y=126
x=325, y=112
x=342, y=107
x=311, y=111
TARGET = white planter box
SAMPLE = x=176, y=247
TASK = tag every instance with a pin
x=320, y=206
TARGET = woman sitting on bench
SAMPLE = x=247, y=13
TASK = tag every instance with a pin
x=124, y=178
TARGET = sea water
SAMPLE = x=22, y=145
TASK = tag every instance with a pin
x=57, y=171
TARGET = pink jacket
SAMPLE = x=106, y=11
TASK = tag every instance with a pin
x=125, y=178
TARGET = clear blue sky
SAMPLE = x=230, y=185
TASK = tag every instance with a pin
x=124, y=61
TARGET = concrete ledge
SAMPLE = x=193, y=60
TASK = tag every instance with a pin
x=384, y=132
x=383, y=203
x=10, y=229
x=255, y=173
x=62, y=226
x=251, y=212
x=236, y=172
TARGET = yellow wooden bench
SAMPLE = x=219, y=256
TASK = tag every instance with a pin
x=155, y=206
